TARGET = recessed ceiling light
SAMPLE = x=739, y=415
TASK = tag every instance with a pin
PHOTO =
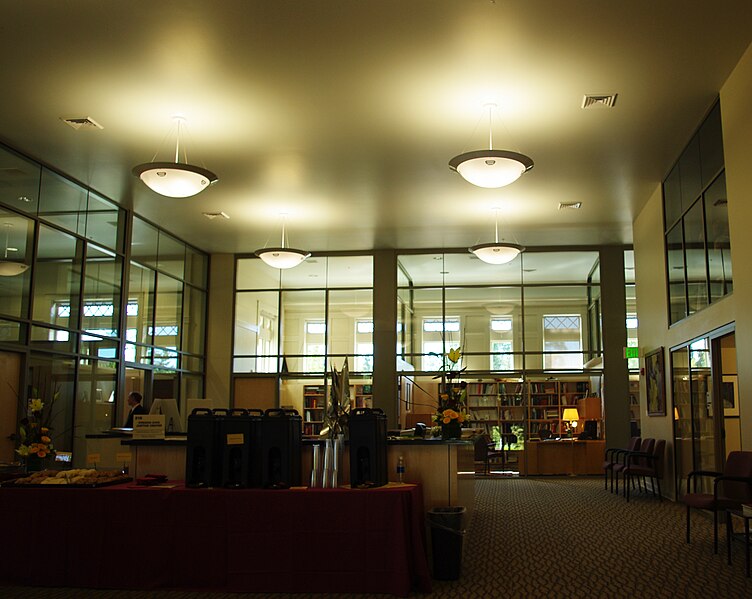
x=213, y=215
x=570, y=205
x=529, y=269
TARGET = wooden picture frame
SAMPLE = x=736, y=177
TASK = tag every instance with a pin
x=655, y=382
x=729, y=395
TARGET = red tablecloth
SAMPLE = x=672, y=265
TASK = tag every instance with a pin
x=252, y=540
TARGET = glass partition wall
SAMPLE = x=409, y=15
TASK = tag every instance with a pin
x=94, y=316
x=297, y=325
x=517, y=324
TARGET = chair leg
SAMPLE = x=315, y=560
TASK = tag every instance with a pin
x=688, y=508
x=658, y=484
x=715, y=531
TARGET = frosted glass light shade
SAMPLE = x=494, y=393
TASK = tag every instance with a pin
x=175, y=179
x=491, y=168
x=496, y=253
x=12, y=269
x=282, y=257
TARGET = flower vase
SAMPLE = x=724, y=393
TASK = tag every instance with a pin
x=451, y=430
x=36, y=464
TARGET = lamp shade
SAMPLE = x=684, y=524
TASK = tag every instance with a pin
x=12, y=269
x=491, y=168
x=282, y=257
x=496, y=253
x=570, y=415
x=175, y=179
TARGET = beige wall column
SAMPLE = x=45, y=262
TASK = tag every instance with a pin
x=219, y=329
x=614, y=323
x=385, y=335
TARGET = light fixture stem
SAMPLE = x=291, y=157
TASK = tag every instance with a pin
x=7, y=236
x=283, y=232
x=490, y=128
x=177, y=145
x=496, y=218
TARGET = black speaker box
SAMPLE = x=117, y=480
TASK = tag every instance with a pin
x=368, y=467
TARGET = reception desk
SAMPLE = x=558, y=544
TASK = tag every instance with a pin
x=247, y=540
x=565, y=456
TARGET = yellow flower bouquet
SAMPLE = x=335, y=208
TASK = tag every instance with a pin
x=34, y=432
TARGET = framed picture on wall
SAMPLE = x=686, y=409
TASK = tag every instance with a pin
x=655, y=382
x=729, y=395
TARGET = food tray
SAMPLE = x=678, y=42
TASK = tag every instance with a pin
x=117, y=481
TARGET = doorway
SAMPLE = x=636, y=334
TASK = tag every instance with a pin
x=705, y=404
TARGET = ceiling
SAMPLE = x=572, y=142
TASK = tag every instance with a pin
x=343, y=114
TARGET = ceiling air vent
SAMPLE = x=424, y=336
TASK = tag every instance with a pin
x=592, y=100
x=84, y=122
x=570, y=205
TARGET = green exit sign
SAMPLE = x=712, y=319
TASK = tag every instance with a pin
x=631, y=352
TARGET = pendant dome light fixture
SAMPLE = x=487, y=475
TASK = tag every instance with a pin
x=10, y=268
x=491, y=168
x=175, y=179
x=497, y=253
x=284, y=256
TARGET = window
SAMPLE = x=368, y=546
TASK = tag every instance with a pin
x=315, y=346
x=501, y=343
x=562, y=333
x=436, y=333
x=632, y=341
x=364, y=346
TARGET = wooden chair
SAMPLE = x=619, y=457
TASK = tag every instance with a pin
x=643, y=465
x=731, y=488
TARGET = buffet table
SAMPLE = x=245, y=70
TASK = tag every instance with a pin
x=289, y=541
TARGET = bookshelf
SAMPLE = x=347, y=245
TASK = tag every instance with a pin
x=314, y=404
x=315, y=398
x=547, y=401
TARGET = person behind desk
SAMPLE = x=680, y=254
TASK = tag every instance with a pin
x=134, y=401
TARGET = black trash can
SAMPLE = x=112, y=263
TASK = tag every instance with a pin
x=447, y=531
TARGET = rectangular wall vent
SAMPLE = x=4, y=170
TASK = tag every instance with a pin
x=84, y=122
x=213, y=215
x=570, y=205
x=592, y=100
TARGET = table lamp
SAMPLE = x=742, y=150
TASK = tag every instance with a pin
x=571, y=416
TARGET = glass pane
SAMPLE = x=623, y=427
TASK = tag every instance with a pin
x=711, y=145
x=303, y=316
x=144, y=242
x=350, y=328
x=689, y=168
x=140, y=309
x=168, y=312
x=253, y=273
x=427, y=308
x=555, y=322
x=95, y=400
x=51, y=379
x=166, y=359
x=257, y=329
x=694, y=247
x=196, y=267
x=12, y=332
x=672, y=204
x=307, y=275
x=53, y=339
x=404, y=325
x=682, y=415
x=557, y=267
x=101, y=305
x=105, y=223
x=171, y=257
x=676, y=287
x=702, y=405
x=165, y=385
x=422, y=269
x=194, y=319
x=349, y=271
x=468, y=269
x=57, y=279
x=191, y=363
x=63, y=202
x=17, y=233
x=19, y=181
x=99, y=347
x=719, y=241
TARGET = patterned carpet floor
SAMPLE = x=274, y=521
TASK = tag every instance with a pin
x=558, y=537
